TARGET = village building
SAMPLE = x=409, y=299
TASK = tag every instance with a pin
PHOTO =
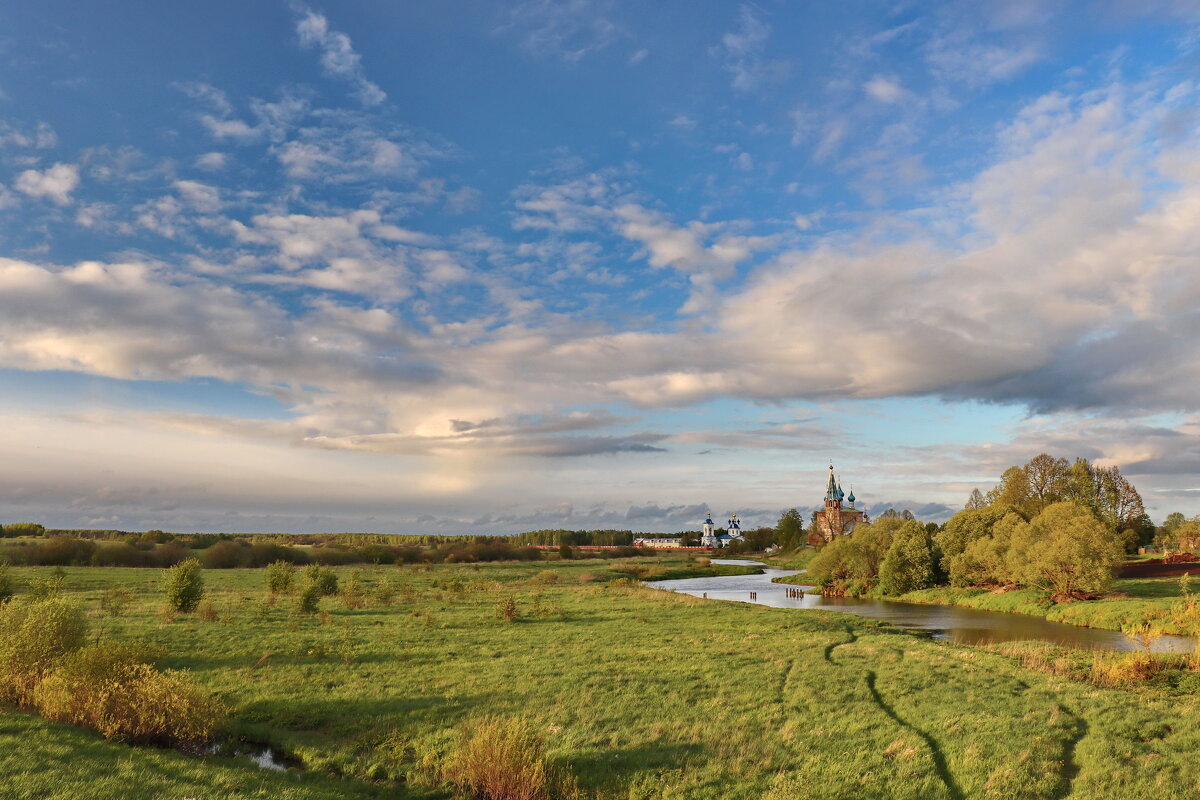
x=835, y=519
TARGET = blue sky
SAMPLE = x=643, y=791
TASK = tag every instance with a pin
x=467, y=266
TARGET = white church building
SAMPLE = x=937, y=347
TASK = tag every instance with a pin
x=708, y=537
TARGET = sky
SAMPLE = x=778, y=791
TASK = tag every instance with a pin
x=487, y=267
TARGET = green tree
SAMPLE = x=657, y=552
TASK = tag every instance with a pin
x=184, y=585
x=984, y=560
x=1047, y=477
x=852, y=562
x=1173, y=521
x=975, y=501
x=964, y=528
x=1065, y=550
x=911, y=562
x=1013, y=489
x=789, y=531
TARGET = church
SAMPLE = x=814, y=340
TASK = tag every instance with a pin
x=834, y=519
x=710, y=538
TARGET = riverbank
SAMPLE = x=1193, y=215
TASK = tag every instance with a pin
x=1132, y=602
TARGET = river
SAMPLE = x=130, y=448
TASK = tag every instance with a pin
x=947, y=623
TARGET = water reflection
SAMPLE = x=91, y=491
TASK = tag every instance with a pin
x=946, y=623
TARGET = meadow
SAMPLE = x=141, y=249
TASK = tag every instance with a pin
x=636, y=693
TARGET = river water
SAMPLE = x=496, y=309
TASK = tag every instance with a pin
x=947, y=623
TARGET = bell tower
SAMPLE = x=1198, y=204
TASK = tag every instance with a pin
x=833, y=493
x=709, y=537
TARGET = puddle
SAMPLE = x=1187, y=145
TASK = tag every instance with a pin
x=262, y=755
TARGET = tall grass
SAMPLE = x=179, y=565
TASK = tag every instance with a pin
x=114, y=688
x=500, y=758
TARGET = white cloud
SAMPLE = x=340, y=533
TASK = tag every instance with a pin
x=338, y=58
x=213, y=162
x=885, y=89
x=565, y=29
x=55, y=183
x=742, y=52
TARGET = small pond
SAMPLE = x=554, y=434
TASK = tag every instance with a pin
x=946, y=623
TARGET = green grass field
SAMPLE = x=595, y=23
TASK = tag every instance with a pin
x=639, y=693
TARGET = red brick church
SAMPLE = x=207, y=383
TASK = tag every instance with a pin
x=834, y=520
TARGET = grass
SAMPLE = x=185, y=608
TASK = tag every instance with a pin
x=793, y=559
x=1133, y=601
x=636, y=693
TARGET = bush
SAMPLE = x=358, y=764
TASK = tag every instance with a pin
x=119, y=554
x=114, y=601
x=34, y=634
x=44, y=587
x=499, y=759
x=113, y=688
x=6, y=583
x=322, y=580
x=184, y=586
x=309, y=601
x=507, y=610
x=547, y=577
x=280, y=577
x=385, y=592
x=63, y=551
x=352, y=592
x=225, y=555
x=208, y=610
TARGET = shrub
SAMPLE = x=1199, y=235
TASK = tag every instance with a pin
x=44, y=587
x=309, y=601
x=114, y=601
x=207, y=610
x=113, y=688
x=119, y=554
x=6, y=583
x=34, y=634
x=499, y=759
x=548, y=577
x=385, y=592
x=225, y=555
x=322, y=580
x=280, y=577
x=351, y=593
x=184, y=586
x=507, y=610
x=63, y=551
